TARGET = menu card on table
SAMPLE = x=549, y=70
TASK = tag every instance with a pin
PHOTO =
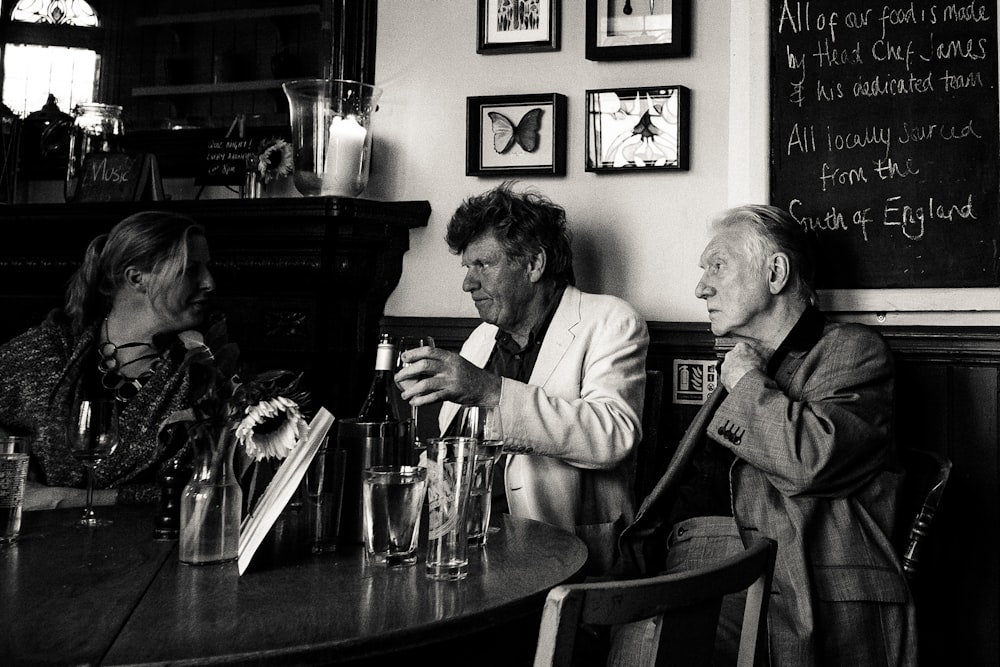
x=281, y=488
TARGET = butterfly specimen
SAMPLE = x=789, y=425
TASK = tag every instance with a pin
x=525, y=133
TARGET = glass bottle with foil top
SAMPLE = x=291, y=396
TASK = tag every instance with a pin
x=97, y=128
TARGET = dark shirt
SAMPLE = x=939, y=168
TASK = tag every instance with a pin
x=509, y=360
x=706, y=491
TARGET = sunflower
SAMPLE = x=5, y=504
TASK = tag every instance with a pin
x=271, y=428
x=274, y=160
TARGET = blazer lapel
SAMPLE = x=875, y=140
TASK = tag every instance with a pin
x=688, y=444
x=558, y=337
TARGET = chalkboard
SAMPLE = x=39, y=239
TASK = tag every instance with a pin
x=117, y=177
x=884, y=138
x=226, y=160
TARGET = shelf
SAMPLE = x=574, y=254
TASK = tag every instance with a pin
x=209, y=88
x=233, y=15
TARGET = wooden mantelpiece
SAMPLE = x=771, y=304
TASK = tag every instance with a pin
x=303, y=281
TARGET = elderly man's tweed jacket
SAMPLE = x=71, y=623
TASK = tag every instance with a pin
x=816, y=470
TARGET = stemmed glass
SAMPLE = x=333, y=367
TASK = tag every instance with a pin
x=93, y=435
x=481, y=422
x=412, y=343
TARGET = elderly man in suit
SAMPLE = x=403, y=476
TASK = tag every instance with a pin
x=567, y=368
x=796, y=445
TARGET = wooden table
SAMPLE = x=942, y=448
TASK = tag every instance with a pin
x=116, y=596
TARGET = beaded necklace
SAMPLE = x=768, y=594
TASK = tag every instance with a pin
x=112, y=379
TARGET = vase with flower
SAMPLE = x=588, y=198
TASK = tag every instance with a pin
x=211, y=503
x=271, y=163
x=231, y=425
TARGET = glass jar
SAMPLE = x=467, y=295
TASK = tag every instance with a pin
x=211, y=503
x=97, y=128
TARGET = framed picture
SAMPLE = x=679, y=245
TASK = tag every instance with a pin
x=516, y=134
x=638, y=129
x=518, y=26
x=637, y=29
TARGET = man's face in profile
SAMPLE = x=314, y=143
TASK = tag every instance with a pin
x=500, y=287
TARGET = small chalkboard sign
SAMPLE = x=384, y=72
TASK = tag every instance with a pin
x=118, y=177
x=226, y=160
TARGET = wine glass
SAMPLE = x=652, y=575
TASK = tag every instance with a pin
x=412, y=343
x=481, y=422
x=93, y=435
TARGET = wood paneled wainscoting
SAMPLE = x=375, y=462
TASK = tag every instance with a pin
x=947, y=397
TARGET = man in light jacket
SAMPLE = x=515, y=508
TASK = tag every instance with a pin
x=567, y=368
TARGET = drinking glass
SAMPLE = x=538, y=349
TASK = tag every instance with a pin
x=93, y=435
x=481, y=422
x=412, y=343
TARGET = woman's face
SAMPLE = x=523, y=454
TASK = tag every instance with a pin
x=182, y=303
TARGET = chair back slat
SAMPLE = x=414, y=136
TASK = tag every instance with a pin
x=688, y=602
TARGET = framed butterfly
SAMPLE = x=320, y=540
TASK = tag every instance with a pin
x=516, y=134
x=524, y=133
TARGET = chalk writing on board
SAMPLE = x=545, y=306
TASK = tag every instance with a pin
x=884, y=138
x=111, y=177
x=225, y=161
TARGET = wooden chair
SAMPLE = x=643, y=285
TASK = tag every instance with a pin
x=688, y=601
x=926, y=477
x=647, y=466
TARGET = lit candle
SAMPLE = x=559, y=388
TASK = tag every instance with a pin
x=344, y=154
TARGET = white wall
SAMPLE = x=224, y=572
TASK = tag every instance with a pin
x=636, y=235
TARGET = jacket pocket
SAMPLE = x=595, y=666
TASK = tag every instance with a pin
x=846, y=583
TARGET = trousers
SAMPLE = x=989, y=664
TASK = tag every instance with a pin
x=692, y=543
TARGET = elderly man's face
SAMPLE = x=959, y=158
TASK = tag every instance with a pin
x=500, y=287
x=734, y=287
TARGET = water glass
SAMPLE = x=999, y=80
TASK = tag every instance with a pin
x=324, y=496
x=13, y=475
x=450, y=468
x=481, y=422
x=393, y=498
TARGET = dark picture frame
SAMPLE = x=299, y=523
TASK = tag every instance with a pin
x=638, y=129
x=503, y=29
x=638, y=29
x=516, y=135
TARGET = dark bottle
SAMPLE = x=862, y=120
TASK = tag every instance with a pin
x=381, y=403
x=167, y=519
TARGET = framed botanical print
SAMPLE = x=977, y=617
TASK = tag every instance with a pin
x=638, y=129
x=638, y=29
x=518, y=26
x=516, y=134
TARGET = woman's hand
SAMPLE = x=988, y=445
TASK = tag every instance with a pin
x=41, y=497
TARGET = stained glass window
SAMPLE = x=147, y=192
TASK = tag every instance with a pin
x=31, y=71
x=56, y=12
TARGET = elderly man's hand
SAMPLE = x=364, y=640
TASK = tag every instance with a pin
x=739, y=361
x=433, y=375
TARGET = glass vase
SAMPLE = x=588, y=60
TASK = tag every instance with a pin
x=211, y=502
x=331, y=134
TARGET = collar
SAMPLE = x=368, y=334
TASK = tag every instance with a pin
x=803, y=336
x=537, y=333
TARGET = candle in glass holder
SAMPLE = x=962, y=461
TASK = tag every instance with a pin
x=344, y=154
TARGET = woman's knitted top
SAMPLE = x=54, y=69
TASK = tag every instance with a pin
x=43, y=370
